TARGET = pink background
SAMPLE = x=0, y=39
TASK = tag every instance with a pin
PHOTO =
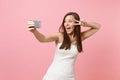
x=22, y=57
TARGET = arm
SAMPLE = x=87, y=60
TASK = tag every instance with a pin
x=39, y=36
x=93, y=28
x=42, y=38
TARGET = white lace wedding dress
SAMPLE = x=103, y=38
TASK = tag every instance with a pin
x=62, y=67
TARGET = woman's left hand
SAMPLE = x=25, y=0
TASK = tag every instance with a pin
x=82, y=23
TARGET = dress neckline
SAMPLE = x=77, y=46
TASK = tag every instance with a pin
x=61, y=43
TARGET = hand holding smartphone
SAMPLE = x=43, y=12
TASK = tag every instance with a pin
x=34, y=23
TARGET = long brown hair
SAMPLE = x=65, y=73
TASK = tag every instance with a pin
x=66, y=44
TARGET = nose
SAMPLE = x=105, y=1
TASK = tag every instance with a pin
x=66, y=24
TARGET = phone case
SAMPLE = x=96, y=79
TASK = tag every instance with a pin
x=37, y=23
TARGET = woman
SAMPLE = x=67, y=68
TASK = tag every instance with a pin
x=68, y=44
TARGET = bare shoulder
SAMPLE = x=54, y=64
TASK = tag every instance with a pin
x=52, y=37
x=58, y=34
x=60, y=37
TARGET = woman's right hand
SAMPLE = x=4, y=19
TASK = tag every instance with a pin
x=31, y=25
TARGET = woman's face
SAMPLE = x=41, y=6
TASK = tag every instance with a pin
x=69, y=24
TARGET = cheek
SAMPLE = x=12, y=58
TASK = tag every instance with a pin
x=72, y=24
x=65, y=24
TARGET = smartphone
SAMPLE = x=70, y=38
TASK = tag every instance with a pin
x=37, y=23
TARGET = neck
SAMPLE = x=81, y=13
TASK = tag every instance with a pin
x=72, y=38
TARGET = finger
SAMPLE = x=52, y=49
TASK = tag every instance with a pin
x=30, y=29
x=76, y=20
x=30, y=25
x=30, y=22
x=76, y=24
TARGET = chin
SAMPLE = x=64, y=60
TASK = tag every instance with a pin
x=69, y=33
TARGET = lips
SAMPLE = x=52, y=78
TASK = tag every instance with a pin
x=68, y=29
